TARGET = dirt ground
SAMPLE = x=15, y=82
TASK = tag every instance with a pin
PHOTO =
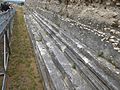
x=22, y=69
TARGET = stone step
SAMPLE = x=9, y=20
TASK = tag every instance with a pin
x=91, y=64
x=81, y=68
x=63, y=64
x=91, y=78
x=54, y=75
x=103, y=34
x=40, y=63
x=83, y=32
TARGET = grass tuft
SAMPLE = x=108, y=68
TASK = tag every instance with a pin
x=74, y=66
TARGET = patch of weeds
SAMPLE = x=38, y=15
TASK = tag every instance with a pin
x=110, y=60
x=100, y=54
x=74, y=66
x=58, y=24
x=47, y=33
x=28, y=65
x=117, y=67
x=113, y=63
x=39, y=40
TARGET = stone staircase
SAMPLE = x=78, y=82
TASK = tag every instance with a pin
x=65, y=62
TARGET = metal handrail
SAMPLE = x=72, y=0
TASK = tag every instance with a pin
x=6, y=19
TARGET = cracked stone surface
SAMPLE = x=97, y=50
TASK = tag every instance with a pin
x=82, y=56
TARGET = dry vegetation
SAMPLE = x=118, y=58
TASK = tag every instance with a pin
x=22, y=70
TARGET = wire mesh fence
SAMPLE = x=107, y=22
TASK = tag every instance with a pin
x=6, y=24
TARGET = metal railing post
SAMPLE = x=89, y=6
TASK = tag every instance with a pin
x=6, y=30
x=5, y=52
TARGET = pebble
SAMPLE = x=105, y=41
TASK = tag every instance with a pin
x=111, y=40
x=103, y=39
x=117, y=32
x=116, y=48
x=112, y=31
x=107, y=37
x=118, y=4
x=114, y=44
x=117, y=72
x=112, y=37
x=106, y=29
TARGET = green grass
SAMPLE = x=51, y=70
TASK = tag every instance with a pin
x=100, y=54
x=1, y=80
x=22, y=70
x=74, y=66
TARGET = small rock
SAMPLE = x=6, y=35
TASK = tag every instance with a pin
x=116, y=48
x=107, y=38
x=103, y=39
x=117, y=72
x=112, y=37
x=63, y=48
x=106, y=29
x=115, y=24
x=107, y=41
x=119, y=22
x=112, y=31
x=102, y=35
x=119, y=26
x=72, y=24
x=118, y=4
x=99, y=35
x=108, y=3
x=115, y=15
x=117, y=32
x=112, y=40
x=114, y=44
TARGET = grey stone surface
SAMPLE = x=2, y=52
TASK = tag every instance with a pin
x=71, y=48
x=94, y=66
x=91, y=37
